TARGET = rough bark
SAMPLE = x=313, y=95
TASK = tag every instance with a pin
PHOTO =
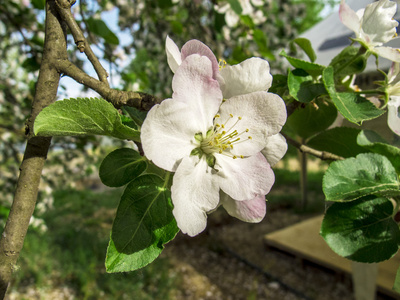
x=35, y=153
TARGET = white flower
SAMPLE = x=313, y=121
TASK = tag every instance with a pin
x=393, y=89
x=252, y=75
x=373, y=26
x=214, y=146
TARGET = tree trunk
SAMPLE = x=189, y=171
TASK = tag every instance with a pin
x=25, y=197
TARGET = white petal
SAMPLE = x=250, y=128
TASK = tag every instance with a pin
x=231, y=18
x=378, y=23
x=251, y=75
x=275, y=148
x=194, y=192
x=197, y=47
x=167, y=133
x=173, y=54
x=349, y=17
x=252, y=211
x=392, y=54
x=245, y=178
x=394, y=115
x=193, y=84
x=262, y=113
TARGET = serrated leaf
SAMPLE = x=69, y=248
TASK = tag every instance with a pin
x=98, y=27
x=143, y=224
x=82, y=116
x=311, y=68
x=375, y=143
x=341, y=141
x=352, y=106
x=121, y=166
x=366, y=174
x=311, y=119
x=302, y=86
x=306, y=46
x=348, y=62
x=362, y=230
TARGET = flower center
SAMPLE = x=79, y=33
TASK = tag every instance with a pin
x=221, y=139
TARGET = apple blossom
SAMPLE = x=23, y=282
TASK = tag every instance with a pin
x=213, y=146
x=393, y=90
x=251, y=75
x=373, y=26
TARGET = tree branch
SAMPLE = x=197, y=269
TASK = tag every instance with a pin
x=323, y=155
x=118, y=98
x=35, y=153
x=64, y=8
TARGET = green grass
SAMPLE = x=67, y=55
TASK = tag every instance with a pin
x=72, y=252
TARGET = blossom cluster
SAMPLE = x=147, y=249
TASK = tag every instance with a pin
x=219, y=133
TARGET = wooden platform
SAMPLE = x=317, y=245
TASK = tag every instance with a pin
x=303, y=241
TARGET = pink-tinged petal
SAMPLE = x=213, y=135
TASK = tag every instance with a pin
x=252, y=211
x=392, y=54
x=394, y=115
x=197, y=47
x=251, y=75
x=167, y=133
x=349, y=17
x=275, y=149
x=173, y=54
x=378, y=24
x=193, y=84
x=262, y=114
x=246, y=178
x=194, y=192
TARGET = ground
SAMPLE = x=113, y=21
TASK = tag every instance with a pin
x=230, y=261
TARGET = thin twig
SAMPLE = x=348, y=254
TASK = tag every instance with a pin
x=118, y=98
x=64, y=8
x=305, y=149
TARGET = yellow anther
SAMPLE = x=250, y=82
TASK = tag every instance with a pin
x=239, y=118
x=231, y=146
x=220, y=151
x=217, y=125
x=222, y=133
x=231, y=115
x=217, y=116
x=398, y=50
x=250, y=138
x=222, y=125
x=247, y=130
x=234, y=157
x=241, y=156
x=223, y=100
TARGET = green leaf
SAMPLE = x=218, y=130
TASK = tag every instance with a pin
x=236, y=7
x=366, y=174
x=98, y=27
x=362, y=230
x=136, y=115
x=121, y=166
x=375, y=143
x=311, y=68
x=302, y=86
x=306, y=46
x=143, y=224
x=352, y=106
x=39, y=4
x=31, y=65
x=348, y=62
x=82, y=116
x=311, y=119
x=341, y=141
x=396, y=286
